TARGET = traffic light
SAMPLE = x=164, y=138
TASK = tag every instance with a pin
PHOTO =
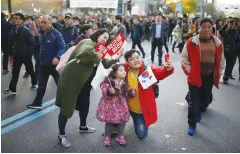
x=129, y=5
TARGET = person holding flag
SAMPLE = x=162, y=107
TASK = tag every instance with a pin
x=74, y=85
x=73, y=78
x=141, y=101
x=113, y=108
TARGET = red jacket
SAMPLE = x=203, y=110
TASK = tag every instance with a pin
x=146, y=96
x=191, y=61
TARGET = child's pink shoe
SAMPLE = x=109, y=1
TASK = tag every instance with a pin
x=107, y=141
x=121, y=140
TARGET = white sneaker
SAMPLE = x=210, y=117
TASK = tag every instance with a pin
x=64, y=141
x=9, y=92
x=34, y=86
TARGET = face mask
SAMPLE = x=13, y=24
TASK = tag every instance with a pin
x=54, y=20
x=75, y=23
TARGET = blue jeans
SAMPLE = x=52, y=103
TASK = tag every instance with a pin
x=141, y=129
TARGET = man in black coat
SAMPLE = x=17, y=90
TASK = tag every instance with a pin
x=136, y=35
x=22, y=46
x=230, y=39
x=56, y=24
x=5, y=41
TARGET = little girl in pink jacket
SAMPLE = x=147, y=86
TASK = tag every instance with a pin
x=113, y=108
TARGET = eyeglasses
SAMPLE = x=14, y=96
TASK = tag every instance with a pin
x=16, y=18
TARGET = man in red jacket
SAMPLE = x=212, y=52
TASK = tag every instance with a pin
x=142, y=104
x=202, y=62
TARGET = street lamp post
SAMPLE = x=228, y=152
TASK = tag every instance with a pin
x=9, y=6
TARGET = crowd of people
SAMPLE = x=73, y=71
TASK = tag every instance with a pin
x=204, y=44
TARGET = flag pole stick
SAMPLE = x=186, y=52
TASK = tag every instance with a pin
x=110, y=82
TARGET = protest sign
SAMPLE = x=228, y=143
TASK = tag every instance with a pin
x=102, y=50
x=116, y=44
x=111, y=49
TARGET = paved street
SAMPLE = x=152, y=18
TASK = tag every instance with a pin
x=36, y=131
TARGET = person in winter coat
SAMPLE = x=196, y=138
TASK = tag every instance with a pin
x=185, y=34
x=136, y=35
x=22, y=47
x=141, y=102
x=158, y=34
x=177, y=34
x=83, y=100
x=69, y=31
x=230, y=39
x=113, y=108
x=164, y=20
x=202, y=62
x=74, y=77
x=119, y=28
x=56, y=24
x=52, y=46
x=170, y=30
x=37, y=48
x=6, y=27
x=87, y=31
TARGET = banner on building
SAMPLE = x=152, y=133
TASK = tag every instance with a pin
x=94, y=4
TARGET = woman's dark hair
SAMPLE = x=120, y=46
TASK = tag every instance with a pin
x=99, y=32
x=218, y=22
x=85, y=27
x=112, y=76
x=30, y=17
x=20, y=15
x=114, y=70
x=129, y=54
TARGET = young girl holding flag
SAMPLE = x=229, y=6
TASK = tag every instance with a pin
x=112, y=108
